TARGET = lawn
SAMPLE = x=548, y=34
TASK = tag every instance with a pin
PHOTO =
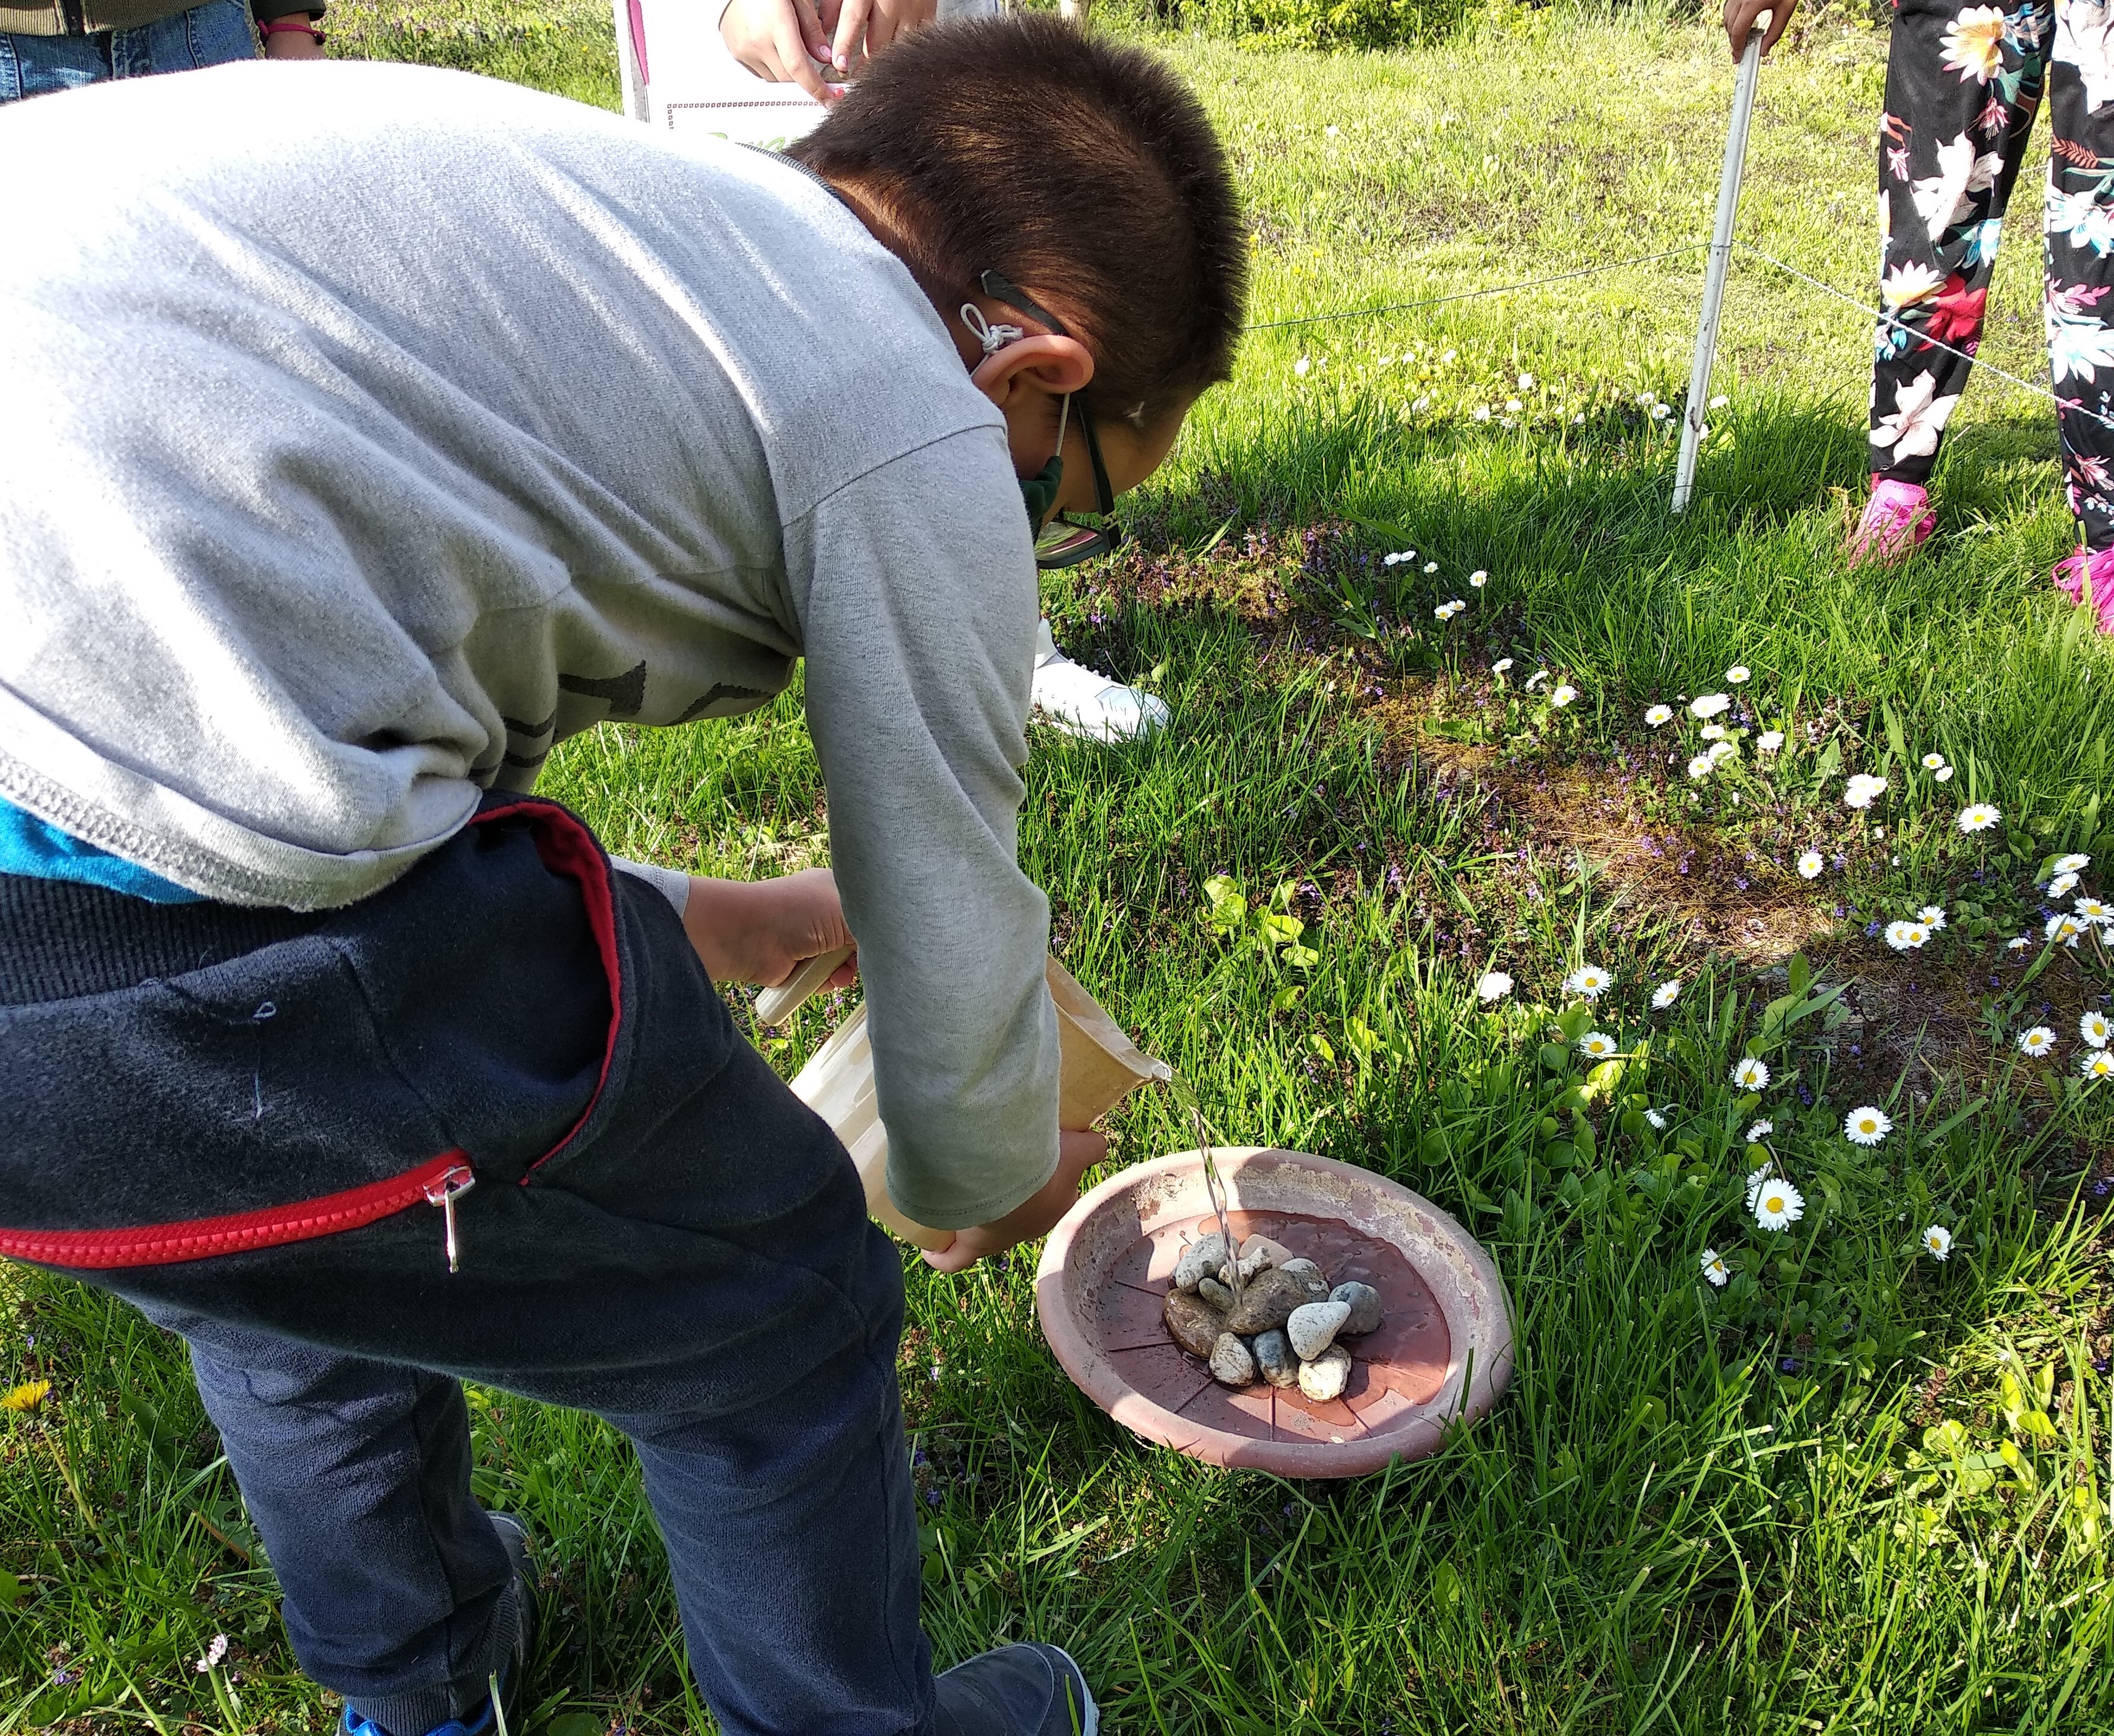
x=1856, y=1488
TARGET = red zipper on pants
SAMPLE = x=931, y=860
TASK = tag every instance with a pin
x=438, y=1182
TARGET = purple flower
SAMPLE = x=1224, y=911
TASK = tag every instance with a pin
x=932, y=1497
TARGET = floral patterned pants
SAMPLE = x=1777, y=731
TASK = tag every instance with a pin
x=1963, y=84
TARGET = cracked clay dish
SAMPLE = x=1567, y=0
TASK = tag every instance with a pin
x=1442, y=1352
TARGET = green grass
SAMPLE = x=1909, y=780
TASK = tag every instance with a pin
x=1854, y=1490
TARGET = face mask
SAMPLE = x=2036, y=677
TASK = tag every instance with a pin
x=1039, y=491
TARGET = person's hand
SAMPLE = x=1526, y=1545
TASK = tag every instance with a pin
x=757, y=930
x=292, y=44
x=879, y=22
x=1743, y=16
x=1077, y=1153
x=781, y=42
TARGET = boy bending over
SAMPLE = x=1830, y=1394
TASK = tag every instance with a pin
x=340, y=481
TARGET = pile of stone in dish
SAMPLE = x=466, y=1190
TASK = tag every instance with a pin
x=1285, y=1326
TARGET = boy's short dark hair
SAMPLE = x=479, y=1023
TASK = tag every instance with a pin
x=1084, y=172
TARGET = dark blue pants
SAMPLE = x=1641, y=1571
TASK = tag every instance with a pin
x=659, y=1233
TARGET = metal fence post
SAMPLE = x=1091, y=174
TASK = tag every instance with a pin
x=1713, y=278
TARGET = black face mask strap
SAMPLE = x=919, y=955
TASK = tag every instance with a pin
x=1001, y=288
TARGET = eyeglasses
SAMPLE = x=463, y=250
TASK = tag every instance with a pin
x=1065, y=541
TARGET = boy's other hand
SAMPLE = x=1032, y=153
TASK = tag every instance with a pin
x=780, y=41
x=1077, y=1153
x=1743, y=16
x=878, y=22
x=757, y=930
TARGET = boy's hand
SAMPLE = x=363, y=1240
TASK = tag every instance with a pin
x=879, y=22
x=1743, y=16
x=1077, y=1153
x=757, y=930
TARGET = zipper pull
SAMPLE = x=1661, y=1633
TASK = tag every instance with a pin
x=444, y=1194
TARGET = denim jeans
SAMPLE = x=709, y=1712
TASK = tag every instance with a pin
x=658, y=1233
x=204, y=36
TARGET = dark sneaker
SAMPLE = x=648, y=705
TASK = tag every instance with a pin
x=488, y=1719
x=1017, y=1690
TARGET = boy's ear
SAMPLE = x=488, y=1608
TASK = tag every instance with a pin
x=1045, y=363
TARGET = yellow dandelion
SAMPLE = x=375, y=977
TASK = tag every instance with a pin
x=28, y=1396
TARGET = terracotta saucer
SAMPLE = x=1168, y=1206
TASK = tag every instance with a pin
x=1444, y=1351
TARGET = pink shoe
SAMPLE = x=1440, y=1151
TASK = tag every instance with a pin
x=1896, y=522
x=2070, y=575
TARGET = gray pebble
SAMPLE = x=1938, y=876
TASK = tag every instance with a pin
x=1273, y=1355
x=1277, y=1252
x=1267, y=1302
x=1192, y=1323
x=1199, y=1260
x=1215, y=1293
x=1251, y=1262
x=1324, y=1376
x=1231, y=1363
x=1364, y=1301
x=1313, y=1328
x=1310, y=1275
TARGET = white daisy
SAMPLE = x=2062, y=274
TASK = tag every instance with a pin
x=1596, y=1045
x=1657, y=1120
x=2018, y=943
x=1943, y=774
x=1934, y=914
x=1562, y=697
x=1526, y=382
x=1751, y=1074
x=1590, y=980
x=1712, y=732
x=1707, y=706
x=1863, y=791
x=1760, y=1131
x=1537, y=679
x=2062, y=886
x=1666, y=994
x=2093, y=911
x=1301, y=366
x=2064, y=929
x=1478, y=578
x=1754, y=1180
x=2072, y=864
x=1937, y=1241
x=1714, y=1268
x=1904, y=936
x=2096, y=1064
x=1979, y=817
x=1447, y=611
x=1933, y=761
x=1702, y=766
x=1867, y=1126
x=1778, y=1205
x=1811, y=864
x=1723, y=750
x=1660, y=714
x=1769, y=740
x=1739, y=672
x=1492, y=985
x=1501, y=665
x=2037, y=1041
x=1431, y=566
x=2095, y=1031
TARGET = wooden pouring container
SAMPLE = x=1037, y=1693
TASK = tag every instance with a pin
x=1099, y=1067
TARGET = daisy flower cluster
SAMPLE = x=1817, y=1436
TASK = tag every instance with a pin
x=1773, y=1201
x=1716, y=741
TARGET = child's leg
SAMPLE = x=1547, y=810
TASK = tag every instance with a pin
x=1960, y=99
x=397, y=1593
x=2080, y=316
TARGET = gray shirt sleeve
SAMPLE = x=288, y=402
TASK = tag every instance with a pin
x=919, y=611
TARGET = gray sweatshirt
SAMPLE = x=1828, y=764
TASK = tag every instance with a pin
x=340, y=481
